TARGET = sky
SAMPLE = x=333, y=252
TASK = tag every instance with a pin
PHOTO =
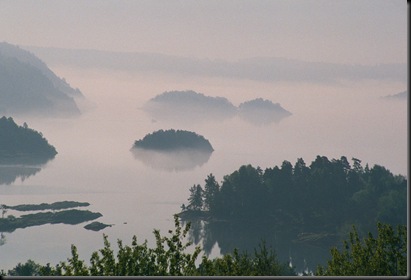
x=338, y=31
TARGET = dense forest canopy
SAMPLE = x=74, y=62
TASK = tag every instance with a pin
x=21, y=144
x=328, y=195
x=172, y=140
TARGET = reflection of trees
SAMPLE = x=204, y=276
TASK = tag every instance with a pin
x=247, y=235
x=181, y=160
x=2, y=239
x=10, y=171
x=9, y=174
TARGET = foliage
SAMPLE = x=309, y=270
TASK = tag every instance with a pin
x=168, y=258
x=327, y=195
x=30, y=268
x=385, y=255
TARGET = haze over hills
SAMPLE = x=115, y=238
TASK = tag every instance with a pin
x=398, y=96
x=28, y=86
x=267, y=69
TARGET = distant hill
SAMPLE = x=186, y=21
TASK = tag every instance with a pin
x=28, y=86
x=399, y=96
x=261, y=111
x=173, y=140
x=23, y=145
x=189, y=105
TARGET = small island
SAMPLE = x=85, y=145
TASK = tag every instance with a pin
x=23, y=145
x=187, y=106
x=173, y=140
x=96, y=226
x=260, y=111
x=61, y=214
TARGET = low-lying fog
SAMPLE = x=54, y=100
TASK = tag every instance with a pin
x=94, y=162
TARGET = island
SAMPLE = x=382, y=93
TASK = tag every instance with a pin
x=29, y=87
x=23, y=145
x=173, y=150
x=96, y=226
x=62, y=213
x=174, y=140
x=187, y=106
x=47, y=206
x=261, y=111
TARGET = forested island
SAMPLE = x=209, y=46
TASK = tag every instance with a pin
x=28, y=86
x=261, y=111
x=173, y=140
x=188, y=106
x=303, y=208
x=23, y=145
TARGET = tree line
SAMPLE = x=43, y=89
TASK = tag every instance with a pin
x=327, y=195
x=385, y=255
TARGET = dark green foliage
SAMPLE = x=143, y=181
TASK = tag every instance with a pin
x=327, y=195
x=196, y=198
x=295, y=207
x=172, y=140
x=385, y=255
x=30, y=268
x=20, y=144
x=168, y=258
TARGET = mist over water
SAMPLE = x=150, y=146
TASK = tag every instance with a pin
x=94, y=163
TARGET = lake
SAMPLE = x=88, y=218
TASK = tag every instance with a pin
x=94, y=163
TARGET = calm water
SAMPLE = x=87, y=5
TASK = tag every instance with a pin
x=95, y=165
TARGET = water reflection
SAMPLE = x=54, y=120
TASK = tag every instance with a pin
x=305, y=246
x=11, y=170
x=180, y=160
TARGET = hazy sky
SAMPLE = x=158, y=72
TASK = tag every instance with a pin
x=342, y=31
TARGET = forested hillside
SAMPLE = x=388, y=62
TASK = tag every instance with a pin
x=28, y=86
x=21, y=144
x=328, y=196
